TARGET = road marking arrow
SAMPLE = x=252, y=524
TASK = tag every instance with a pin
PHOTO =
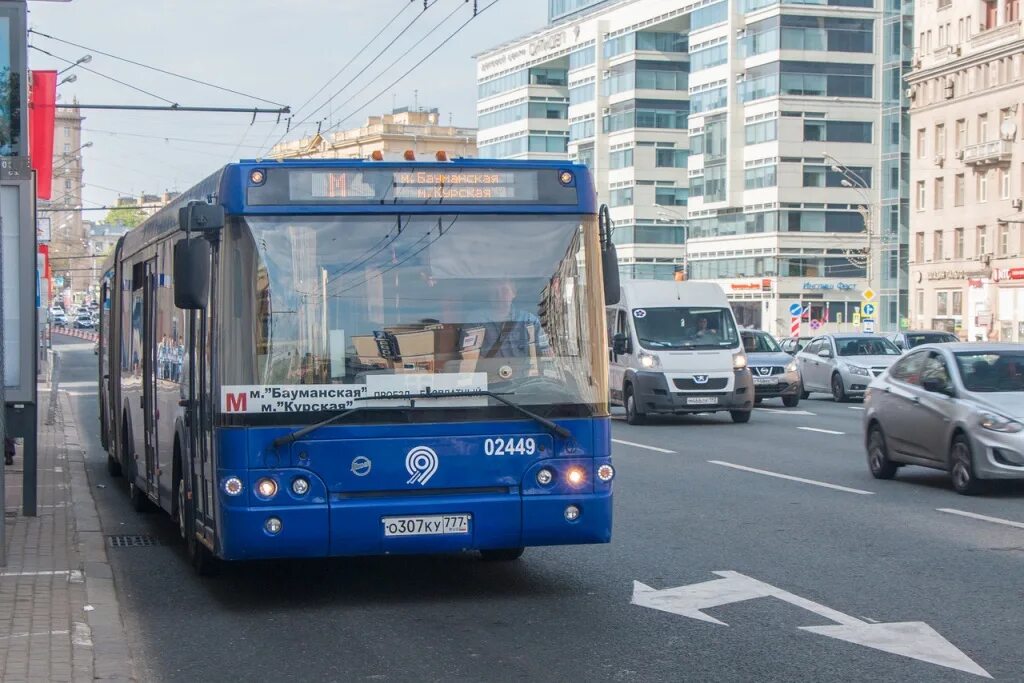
x=913, y=639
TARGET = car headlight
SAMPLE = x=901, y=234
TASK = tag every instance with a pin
x=739, y=361
x=791, y=367
x=858, y=370
x=648, y=360
x=998, y=423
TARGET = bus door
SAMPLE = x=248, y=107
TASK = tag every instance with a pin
x=149, y=361
x=201, y=421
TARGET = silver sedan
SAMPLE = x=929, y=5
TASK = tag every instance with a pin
x=844, y=364
x=956, y=407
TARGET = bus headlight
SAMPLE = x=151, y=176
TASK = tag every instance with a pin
x=545, y=476
x=575, y=476
x=266, y=488
x=232, y=486
x=300, y=486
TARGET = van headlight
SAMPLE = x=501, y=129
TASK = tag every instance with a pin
x=998, y=423
x=648, y=360
x=739, y=361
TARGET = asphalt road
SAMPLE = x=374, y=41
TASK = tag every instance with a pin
x=693, y=496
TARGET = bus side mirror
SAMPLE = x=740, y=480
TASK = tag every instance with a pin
x=191, y=274
x=200, y=217
x=610, y=266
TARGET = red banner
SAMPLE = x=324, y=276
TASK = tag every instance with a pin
x=42, y=108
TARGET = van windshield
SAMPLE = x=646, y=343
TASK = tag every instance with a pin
x=685, y=327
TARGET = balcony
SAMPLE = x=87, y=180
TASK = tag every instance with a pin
x=991, y=152
x=1006, y=33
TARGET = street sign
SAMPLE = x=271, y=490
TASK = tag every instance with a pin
x=868, y=294
x=815, y=325
x=856, y=318
x=868, y=308
x=869, y=325
x=795, y=309
x=911, y=639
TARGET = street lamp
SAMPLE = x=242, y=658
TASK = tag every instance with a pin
x=667, y=215
x=68, y=79
x=84, y=59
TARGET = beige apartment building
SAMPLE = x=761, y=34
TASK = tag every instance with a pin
x=391, y=134
x=967, y=169
x=67, y=232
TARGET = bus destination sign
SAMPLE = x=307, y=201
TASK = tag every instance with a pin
x=412, y=186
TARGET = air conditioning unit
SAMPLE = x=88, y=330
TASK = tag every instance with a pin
x=911, y=93
x=986, y=259
x=959, y=154
x=939, y=160
x=948, y=90
x=1017, y=204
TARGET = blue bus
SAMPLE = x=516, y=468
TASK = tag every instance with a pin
x=320, y=358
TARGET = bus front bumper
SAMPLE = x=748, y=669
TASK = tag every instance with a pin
x=355, y=526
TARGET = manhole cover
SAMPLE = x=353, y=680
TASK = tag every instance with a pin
x=132, y=541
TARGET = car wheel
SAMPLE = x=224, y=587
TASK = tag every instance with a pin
x=758, y=400
x=961, y=470
x=791, y=401
x=502, y=554
x=878, y=455
x=838, y=390
x=804, y=395
x=633, y=414
x=740, y=416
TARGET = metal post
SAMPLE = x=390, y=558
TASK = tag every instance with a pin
x=3, y=410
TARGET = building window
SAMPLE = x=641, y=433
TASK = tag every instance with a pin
x=920, y=143
x=671, y=196
x=937, y=246
x=1004, y=240
x=940, y=190
x=671, y=158
x=837, y=131
x=920, y=302
x=982, y=128
x=1004, y=183
x=67, y=184
x=920, y=194
x=763, y=131
x=958, y=243
x=958, y=189
x=940, y=139
x=982, y=241
x=622, y=158
x=620, y=197
x=919, y=248
x=960, y=139
x=757, y=178
x=958, y=303
x=1012, y=10
x=941, y=303
x=67, y=131
x=983, y=186
x=824, y=176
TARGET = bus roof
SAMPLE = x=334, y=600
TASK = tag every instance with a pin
x=360, y=186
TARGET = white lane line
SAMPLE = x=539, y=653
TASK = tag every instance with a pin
x=786, y=411
x=860, y=408
x=640, y=445
x=812, y=482
x=82, y=635
x=821, y=431
x=32, y=635
x=984, y=518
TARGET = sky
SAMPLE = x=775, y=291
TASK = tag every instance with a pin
x=282, y=51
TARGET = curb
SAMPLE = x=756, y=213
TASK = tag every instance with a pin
x=104, y=630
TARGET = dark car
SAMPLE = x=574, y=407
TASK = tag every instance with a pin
x=774, y=371
x=84, y=321
x=911, y=338
x=794, y=345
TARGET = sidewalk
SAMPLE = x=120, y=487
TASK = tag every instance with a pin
x=59, y=615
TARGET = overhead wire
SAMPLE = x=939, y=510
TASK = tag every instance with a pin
x=103, y=75
x=417, y=64
x=155, y=68
x=163, y=137
x=427, y=5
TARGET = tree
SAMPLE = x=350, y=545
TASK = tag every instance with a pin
x=126, y=215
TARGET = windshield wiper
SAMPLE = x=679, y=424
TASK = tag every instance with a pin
x=292, y=437
x=554, y=428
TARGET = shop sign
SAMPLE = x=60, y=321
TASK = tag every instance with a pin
x=959, y=274
x=745, y=286
x=841, y=286
x=1015, y=273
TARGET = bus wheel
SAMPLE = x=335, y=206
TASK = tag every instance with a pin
x=113, y=466
x=199, y=556
x=502, y=554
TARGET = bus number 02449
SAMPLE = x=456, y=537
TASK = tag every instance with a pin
x=510, y=446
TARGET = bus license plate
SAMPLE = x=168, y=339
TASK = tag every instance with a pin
x=428, y=525
x=702, y=400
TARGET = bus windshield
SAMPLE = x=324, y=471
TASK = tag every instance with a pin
x=685, y=327
x=496, y=303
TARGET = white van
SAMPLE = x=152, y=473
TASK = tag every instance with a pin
x=676, y=349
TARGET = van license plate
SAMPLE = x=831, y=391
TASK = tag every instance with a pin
x=427, y=525
x=702, y=400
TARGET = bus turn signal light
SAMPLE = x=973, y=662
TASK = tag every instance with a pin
x=605, y=473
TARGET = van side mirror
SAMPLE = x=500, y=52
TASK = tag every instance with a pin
x=620, y=344
x=191, y=274
x=200, y=217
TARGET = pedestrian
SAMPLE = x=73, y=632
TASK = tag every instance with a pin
x=9, y=451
